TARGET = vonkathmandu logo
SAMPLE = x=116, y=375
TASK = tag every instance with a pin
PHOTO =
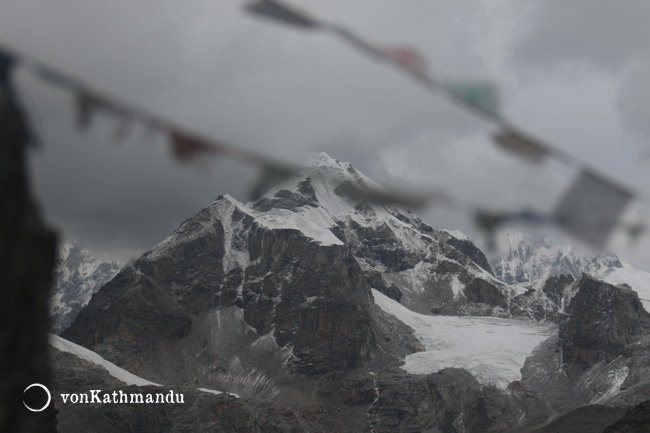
x=40, y=398
x=115, y=397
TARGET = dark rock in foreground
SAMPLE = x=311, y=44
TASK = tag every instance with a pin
x=199, y=412
x=586, y=419
x=604, y=323
x=601, y=353
x=636, y=420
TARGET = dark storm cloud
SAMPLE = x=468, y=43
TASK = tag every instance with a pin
x=276, y=90
x=118, y=195
x=583, y=74
x=605, y=33
x=211, y=68
x=593, y=36
x=634, y=99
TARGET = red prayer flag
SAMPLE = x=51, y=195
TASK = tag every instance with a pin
x=186, y=147
x=408, y=59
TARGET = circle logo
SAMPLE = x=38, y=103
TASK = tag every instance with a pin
x=47, y=391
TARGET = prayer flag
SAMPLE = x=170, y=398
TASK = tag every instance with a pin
x=279, y=12
x=408, y=59
x=591, y=207
x=186, y=147
x=521, y=145
x=480, y=95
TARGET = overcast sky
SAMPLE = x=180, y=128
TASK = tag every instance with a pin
x=574, y=72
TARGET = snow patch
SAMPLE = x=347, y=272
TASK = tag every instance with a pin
x=456, y=286
x=90, y=356
x=211, y=391
x=313, y=223
x=416, y=278
x=615, y=379
x=266, y=342
x=457, y=234
x=233, y=257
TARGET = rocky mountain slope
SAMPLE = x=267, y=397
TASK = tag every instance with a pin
x=600, y=354
x=543, y=268
x=77, y=277
x=600, y=303
x=79, y=370
x=273, y=300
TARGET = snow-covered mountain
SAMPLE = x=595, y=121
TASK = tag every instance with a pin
x=528, y=259
x=349, y=313
x=77, y=277
x=427, y=270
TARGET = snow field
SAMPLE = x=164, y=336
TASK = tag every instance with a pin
x=492, y=349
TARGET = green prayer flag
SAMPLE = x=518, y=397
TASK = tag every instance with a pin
x=481, y=95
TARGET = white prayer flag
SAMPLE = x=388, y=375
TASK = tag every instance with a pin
x=591, y=207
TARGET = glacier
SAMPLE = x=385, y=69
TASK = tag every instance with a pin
x=491, y=348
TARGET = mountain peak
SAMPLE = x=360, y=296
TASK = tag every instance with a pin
x=400, y=252
x=324, y=182
x=320, y=158
x=528, y=259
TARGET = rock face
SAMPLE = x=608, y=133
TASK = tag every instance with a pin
x=77, y=277
x=542, y=267
x=636, y=420
x=592, y=418
x=548, y=302
x=310, y=296
x=449, y=401
x=600, y=354
x=604, y=323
